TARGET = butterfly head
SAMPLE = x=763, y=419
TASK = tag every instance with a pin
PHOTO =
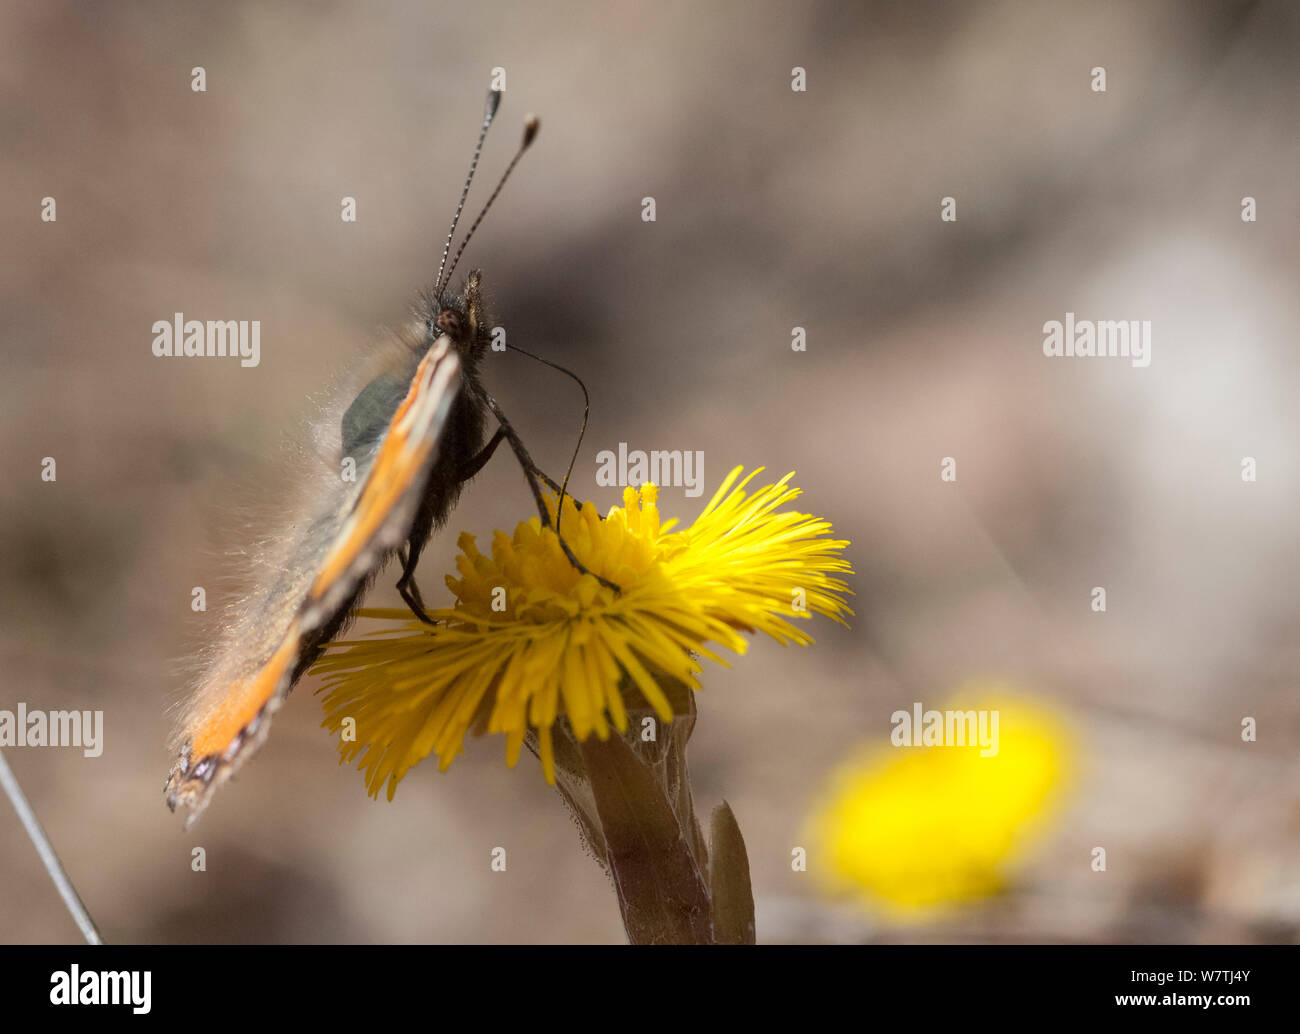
x=464, y=320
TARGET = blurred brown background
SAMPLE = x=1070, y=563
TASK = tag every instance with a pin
x=775, y=209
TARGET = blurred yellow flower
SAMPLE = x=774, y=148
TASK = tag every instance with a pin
x=915, y=828
x=531, y=638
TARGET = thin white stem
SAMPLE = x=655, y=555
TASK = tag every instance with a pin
x=46, y=850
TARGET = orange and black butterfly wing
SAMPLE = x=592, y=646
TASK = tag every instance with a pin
x=326, y=567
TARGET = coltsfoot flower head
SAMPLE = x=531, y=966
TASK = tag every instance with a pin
x=531, y=638
x=914, y=830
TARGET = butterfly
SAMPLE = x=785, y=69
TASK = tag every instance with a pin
x=409, y=441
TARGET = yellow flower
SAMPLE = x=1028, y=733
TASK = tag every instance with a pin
x=916, y=828
x=530, y=638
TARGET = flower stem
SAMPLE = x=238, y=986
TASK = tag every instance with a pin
x=631, y=798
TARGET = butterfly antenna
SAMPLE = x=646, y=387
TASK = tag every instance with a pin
x=46, y=850
x=493, y=102
x=531, y=125
x=586, y=413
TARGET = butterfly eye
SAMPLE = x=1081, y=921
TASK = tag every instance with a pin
x=450, y=323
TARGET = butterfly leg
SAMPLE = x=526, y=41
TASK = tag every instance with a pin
x=554, y=486
x=531, y=473
x=549, y=483
x=406, y=587
x=480, y=461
